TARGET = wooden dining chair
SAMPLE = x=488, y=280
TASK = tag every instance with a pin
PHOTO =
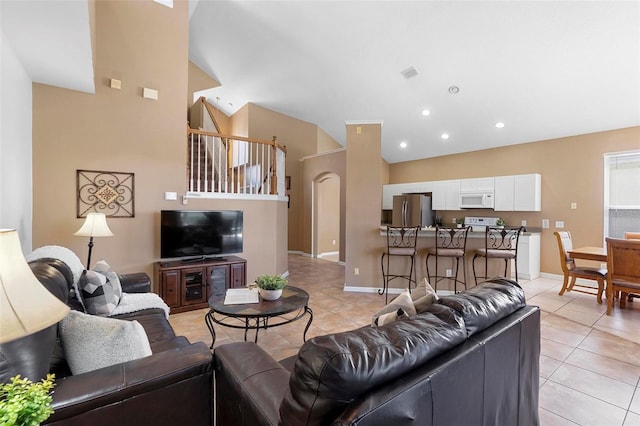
x=573, y=271
x=623, y=263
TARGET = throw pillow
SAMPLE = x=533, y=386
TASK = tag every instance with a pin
x=91, y=342
x=422, y=289
x=101, y=289
x=403, y=301
x=426, y=296
x=390, y=317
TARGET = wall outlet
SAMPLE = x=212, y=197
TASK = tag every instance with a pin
x=574, y=206
x=523, y=223
x=453, y=220
x=333, y=242
x=356, y=271
x=545, y=223
x=559, y=224
x=448, y=273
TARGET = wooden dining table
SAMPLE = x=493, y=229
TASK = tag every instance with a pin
x=599, y=254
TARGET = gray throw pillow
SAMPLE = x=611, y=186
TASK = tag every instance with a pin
x=101, y=289
x=91, y=342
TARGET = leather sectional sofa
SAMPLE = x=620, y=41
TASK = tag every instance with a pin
x=172, y=386
x=470, y=359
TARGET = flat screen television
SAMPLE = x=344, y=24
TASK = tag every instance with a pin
x=191, y=234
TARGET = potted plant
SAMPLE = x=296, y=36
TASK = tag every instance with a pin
x=501, y=222
x=23, y=402
x=459, y=222
x=270, y=286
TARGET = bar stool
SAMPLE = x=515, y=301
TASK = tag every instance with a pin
x=450, y=243
x=401, y=241
x=499, y=243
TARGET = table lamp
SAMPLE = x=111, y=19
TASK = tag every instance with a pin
x=95, y=225
x=26, y=306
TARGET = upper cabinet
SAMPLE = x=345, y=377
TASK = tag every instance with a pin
x=528, y=193
x=388, y=191
x=511, y=193
x=518, y=193
x=476, y=185
x=446, y=195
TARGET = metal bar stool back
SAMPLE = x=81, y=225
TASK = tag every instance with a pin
x=499, y=243
x=401, y=241
x=450, y=243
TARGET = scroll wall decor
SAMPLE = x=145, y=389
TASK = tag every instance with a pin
x=111, y=193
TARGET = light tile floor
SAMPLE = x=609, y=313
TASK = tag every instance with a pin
x=589, y=364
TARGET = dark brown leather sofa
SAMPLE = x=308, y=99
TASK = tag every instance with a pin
x=471, y=359
x=172, y=386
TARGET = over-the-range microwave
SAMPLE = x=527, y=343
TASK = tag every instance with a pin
x=476, y=200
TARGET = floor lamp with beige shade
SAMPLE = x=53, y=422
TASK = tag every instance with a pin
x=95, y=225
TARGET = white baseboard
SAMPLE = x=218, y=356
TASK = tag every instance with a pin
x=328, y=253
x=358, y=289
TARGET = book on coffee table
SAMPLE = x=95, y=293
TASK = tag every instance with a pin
x=238, y=296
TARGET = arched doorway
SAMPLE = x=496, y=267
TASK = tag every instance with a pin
x=326, y=217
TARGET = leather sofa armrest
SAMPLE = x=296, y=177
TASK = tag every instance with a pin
x=250, y=385
x=132, y=386
x=135, y=283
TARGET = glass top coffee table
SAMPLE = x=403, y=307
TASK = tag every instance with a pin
x=291, y=306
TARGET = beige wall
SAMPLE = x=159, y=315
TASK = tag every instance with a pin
x=314, y=169
x=572, y=170
x=328, y=219
x=198, y=80
x=364, y=195
x=300, y=138
x=326, y=142
x=118, y=130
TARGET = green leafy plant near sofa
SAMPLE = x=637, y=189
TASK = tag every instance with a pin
x=23, y=402
x=271, y=282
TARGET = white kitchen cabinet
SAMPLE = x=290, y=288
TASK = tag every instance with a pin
x=518, y=193
x=477, y=185
x=528, y=256
x=503, y=197
x=527, y=193
x=446, y=195
x=422, y=187
x=388, y=191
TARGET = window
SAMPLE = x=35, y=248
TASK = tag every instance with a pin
x=621, y=193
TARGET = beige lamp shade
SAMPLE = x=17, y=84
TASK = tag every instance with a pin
x=26, y=306
x=95, y=225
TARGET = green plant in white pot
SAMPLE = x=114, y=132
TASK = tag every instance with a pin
x=501, y=222
x=270, y=286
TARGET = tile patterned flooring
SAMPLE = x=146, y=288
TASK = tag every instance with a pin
x=589, y=364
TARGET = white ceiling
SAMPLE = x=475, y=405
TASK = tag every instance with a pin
x=52, y=40
x=546, y=69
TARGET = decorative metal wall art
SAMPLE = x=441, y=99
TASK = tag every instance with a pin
x=111, y=193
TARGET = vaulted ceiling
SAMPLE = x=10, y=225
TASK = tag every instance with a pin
x=545, y=69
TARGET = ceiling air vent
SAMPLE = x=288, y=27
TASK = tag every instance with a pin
x=409, y=72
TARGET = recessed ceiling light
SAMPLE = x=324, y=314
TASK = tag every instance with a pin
x=445, y=136
x=454, y=89
x=426, y=112
x=499, y=124
x=403, y=144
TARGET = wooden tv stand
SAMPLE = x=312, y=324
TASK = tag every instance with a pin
x=186, y=285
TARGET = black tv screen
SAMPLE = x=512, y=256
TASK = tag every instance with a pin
x=191, y=233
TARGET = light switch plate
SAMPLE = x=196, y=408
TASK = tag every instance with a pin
x=545, y=223
x=170, y=196
x=150, y=94
x=559, y=224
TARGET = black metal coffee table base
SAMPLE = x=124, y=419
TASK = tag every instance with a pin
x=262, y=315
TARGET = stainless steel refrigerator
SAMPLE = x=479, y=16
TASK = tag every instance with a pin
x=412, y=210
